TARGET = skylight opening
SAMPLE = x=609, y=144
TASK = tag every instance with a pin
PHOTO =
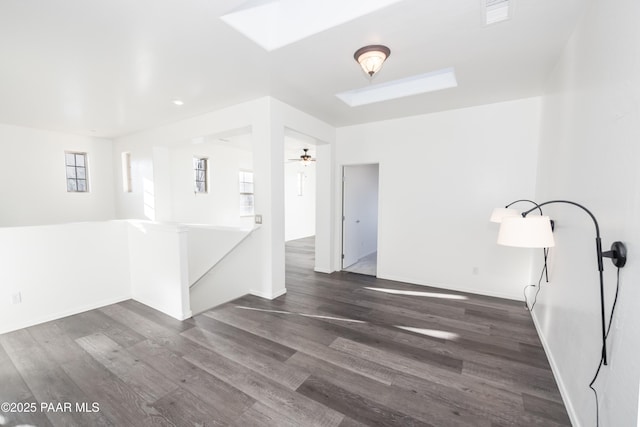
x=276, y=23
x=414, y=85
x=497, y=11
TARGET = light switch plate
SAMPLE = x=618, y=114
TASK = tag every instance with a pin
x=258, y=219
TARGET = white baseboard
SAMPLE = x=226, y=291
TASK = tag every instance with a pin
x=61, y=314
x=178, y=315
x=269, y=296
x=554, y=369
x=515, y=297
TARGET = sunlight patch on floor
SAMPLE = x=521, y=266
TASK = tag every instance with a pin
x=315, y=316
x=418, y=293
x=431, y=332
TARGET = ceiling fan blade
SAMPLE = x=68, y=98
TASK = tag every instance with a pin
x=304, y=158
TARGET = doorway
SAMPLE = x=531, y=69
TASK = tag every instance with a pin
x=360, y=219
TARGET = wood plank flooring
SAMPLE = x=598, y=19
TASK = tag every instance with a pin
x=336, y=350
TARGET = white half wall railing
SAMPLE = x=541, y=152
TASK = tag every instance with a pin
x=53, y=271
x=182, y=269
x=158, y=265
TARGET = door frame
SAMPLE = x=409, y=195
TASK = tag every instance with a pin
x=342, y=211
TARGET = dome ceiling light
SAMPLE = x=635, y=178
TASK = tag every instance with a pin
x=371, y=58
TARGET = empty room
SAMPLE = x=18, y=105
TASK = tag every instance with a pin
x=319, y=213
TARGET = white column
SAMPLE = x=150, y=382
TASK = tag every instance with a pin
x=268, y=169
x=324, y=211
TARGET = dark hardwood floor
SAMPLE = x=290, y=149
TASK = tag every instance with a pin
x=330, y=352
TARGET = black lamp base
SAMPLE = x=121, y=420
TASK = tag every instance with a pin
x=618, y=254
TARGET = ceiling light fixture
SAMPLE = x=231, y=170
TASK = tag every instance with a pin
x=178, y=102
x=371, y=58
x=305, y=158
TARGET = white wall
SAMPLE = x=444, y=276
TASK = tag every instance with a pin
x=299, y=211
x=589, y=154
x=221, y=204
x=440, y=176
x=150, y=162
x=61, y=270
x=33, y=178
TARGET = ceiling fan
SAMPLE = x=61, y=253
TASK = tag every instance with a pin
x=305, y=158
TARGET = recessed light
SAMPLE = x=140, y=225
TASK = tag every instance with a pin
x=414, y=85
x=178, y=102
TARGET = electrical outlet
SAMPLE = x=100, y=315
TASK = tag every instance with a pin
x=258, y=219
x=16, y=298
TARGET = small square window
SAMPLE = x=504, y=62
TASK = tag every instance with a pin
x=201, y=173
x=77, y=174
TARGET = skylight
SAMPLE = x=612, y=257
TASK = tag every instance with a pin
x=422, y=83
x=497, y=11
x=276, y=23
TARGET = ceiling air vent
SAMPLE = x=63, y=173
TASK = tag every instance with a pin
x=497, y=10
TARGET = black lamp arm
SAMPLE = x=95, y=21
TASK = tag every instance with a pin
x=618, y=252
x=526, y=200
x=538, y=206
x=618, y=255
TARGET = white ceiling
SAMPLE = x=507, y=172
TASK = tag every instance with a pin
x=111, y=67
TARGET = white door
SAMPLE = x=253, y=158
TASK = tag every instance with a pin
x=359, y=212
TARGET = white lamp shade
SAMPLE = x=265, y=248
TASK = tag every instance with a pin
x=499, y=214
x=529, y=232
